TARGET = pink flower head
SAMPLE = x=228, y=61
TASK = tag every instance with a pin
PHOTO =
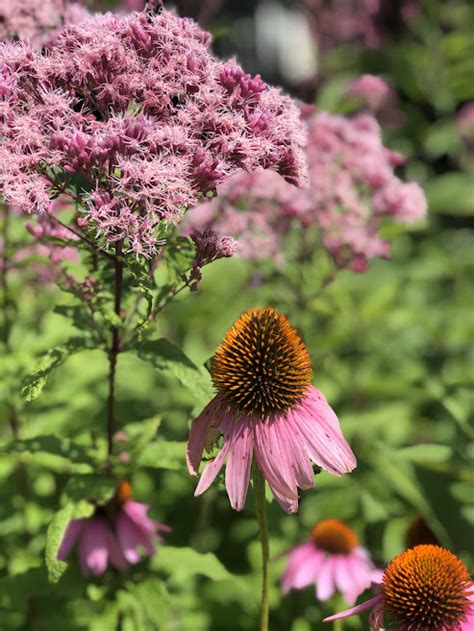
x=465, y=122
x=352, y=190
x=425, y=587
x=115, y=534
x=38, y=21
x=373, y=90
x=139, y=109
x=258, y=209
x=332, y=560
x=266, y=407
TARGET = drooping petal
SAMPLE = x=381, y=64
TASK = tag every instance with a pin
x=239, y=460
x=212, y=469
x=272, y=460
x=138, y=513
x=356, y=610
x=297, y=446
x=209, y=417
x=116, y=557
x=70, y=537
x=93, y=546
x=303, y=567
x=130, y=537
x=324, y=440
x=325, y=584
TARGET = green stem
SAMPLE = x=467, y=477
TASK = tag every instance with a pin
x=338, y=625
x=261, y=511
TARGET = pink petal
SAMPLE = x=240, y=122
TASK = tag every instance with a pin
x=70, y=537
x=272, y=458
x=237, y=471
x=115, y=554
x=130, y=538
x=208, y=418
x=93, y=547
x=138, y=513
x=355, y=610
x=303, y=566
x=212, y=469
x=301, y=462
x=324, y=440
x=325, y=582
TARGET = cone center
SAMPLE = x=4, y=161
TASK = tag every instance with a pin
x=334, y=537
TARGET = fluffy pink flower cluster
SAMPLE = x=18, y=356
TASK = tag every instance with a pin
x=38, y=21
x=352, y=189
x=335, y=21
x=355, y=188
x=133, y=117
x=256, y=208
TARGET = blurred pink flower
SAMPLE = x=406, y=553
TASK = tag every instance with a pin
x=115, y=535
x=352, y=190
x=265, y=406
x=332, y=560
x=425, y=587
x=465, y=122
x=38, y=21
x=373, y=90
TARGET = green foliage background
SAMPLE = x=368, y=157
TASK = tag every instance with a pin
x=392, y=350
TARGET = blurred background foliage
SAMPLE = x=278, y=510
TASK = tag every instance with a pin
x=391, y=348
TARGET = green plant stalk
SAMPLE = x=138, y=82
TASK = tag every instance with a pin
x=261, y=511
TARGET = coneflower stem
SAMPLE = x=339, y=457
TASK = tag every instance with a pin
x=261, y=511
x=114, y=349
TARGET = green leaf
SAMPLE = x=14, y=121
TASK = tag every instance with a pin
x=55, y=534
x=146, y=604
x=451, y=194
x=51, y=452
x=163, y=454
x=139, y=435
x=34, y=382
x=169, y=358
x=426, y=454
x=182, y=563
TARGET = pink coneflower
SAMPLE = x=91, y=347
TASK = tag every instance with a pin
x=266, y=407
x=114, y=534
x=426, y=587
x=332, y=560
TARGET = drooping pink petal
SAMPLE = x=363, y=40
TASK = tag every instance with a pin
x=116, y=557
x=355, y=610
x=324, y=440
x=70, y=537
x=239, y=460
x=131, y=537
x=138, y=513
x=208, y=418
x=303, y=567
x=272, y=459
x=93, y=547
x=325, y=585
x=212, y=469
x=301, y=462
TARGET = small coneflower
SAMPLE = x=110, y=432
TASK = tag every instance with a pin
x=424, y=588
x=266, y=406
x=332, y=560
x=115, y=534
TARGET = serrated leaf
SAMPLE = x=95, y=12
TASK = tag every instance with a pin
x=90, y=487
x=146, y=603
x=33, y=383
x=169, y=358
x=183, y=563
x=163, y=454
